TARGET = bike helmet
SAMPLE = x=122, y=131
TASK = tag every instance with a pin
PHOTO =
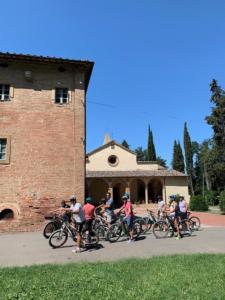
x=73, y=198
x=126, y=196
x=88, y=199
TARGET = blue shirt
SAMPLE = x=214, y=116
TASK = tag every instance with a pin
x=109, y=210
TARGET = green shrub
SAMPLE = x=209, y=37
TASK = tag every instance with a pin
x=222, y=201
x=211, y=197
x=198, y=203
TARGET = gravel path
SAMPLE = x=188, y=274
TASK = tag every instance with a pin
x=19, y=249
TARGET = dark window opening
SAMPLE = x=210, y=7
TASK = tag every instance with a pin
x=3, y=144
x=6, y=214
x=61, y=95
x=4, y=92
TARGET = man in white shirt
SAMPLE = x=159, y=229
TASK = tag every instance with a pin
x=79, y=218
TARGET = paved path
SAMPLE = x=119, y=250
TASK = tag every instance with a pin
x=20, y=249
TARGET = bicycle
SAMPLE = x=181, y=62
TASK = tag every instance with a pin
x=165, y=228
x=194, y=222
x=120, y=228
x=53, y=225
x=59, y=237
x=149, y=220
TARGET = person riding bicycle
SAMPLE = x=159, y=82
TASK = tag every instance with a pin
x=161, y=207
x=183, y=207
x=174, y=214
x=89, y=212
x=129, y=216
x=67, y=215
x=109, y=209
x=79, y=218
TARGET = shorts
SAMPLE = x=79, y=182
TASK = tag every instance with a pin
x=88, y=225
x=183, y=215
x=108, y=218
x=79, y=226
x=129, y=221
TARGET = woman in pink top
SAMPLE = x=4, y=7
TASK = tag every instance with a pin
x=129, y=216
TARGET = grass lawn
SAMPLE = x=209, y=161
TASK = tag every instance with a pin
x=170, y=277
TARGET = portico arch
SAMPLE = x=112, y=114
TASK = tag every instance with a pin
x=155, y=188
x=140, y=191
x=97, y=189
x=119, y=188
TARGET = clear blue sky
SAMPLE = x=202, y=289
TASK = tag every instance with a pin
x=154, y=60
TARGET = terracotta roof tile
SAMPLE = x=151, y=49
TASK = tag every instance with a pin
x=137, y=173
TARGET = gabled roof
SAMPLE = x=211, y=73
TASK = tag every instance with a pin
x=113, y=142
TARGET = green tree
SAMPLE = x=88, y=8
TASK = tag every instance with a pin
x=217, y=121
x=125, y=144
x=188, y=158
x=161, y=162
x=151, y=147
x=178, y=157
x=141, y=154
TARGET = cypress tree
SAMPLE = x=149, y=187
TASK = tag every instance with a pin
x=151, y=146
x=188, y=158
x=175, y=157
x=125, y=144
x=178, y=157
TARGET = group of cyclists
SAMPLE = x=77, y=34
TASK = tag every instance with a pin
x=177, y=210
x=83, y=216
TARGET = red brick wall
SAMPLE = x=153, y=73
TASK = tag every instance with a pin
x=47, y=143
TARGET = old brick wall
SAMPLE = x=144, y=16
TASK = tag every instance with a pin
x=47, y=143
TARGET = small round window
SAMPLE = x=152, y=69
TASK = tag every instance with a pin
x=113, y=160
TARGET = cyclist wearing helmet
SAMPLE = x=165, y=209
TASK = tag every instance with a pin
x=174, y=214
x=79, y=218
x=89, y=211
x=161, y=207
x=109, y=209
x=129, y=216
x=183, y=207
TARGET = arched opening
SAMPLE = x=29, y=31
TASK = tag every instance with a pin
x=6, y=214
x=118, y=192
x=154, y=190
x=97, y=190
x=140, y=191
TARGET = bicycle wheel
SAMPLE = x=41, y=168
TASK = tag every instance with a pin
x=58, y=238
x=114, y=233
x=148, y=224
x=161, y=229
x=194, y=223
x=142, y=223
x=137, y=230
x=102, y=232
x=89, y=239
x=50, y=228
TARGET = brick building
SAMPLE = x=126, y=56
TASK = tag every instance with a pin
x=42, y=136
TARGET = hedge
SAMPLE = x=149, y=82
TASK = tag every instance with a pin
x=198, y=203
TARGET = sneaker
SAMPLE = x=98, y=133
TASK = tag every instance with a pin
x=76, y=250
x=177, y=237
x=189, y=232
x=130, y=241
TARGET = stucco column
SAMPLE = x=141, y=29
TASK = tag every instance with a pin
x=110, y=188
x=164, y=190
x=146, y=193
x=127, y=189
